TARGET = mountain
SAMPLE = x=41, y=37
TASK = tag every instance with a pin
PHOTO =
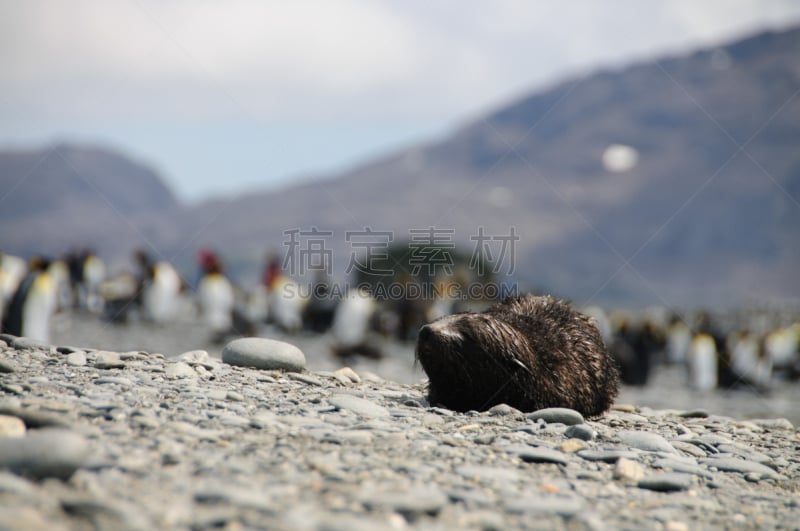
x=65, y=195
x=707, y=213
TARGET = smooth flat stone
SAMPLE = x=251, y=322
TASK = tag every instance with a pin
x=44, y=453
x=489, y=473
x=108, y=360
x=667, y=482
x=411, y=503
x=543, y=455
x=26, y=343
x=681, y=466
x=358, y=405
x=261, y=353
x=607, y=456
x=642, y=440
x=773, y=424
x=732, y=464
x=563, y=415
x=560, y=505
x=118, y=380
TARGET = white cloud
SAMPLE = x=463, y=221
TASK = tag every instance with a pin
x=138, y=71
x=309, y=59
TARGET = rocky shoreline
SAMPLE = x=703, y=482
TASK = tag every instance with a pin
x=93, y=439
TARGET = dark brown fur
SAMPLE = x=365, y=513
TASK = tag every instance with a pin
x=528, y=352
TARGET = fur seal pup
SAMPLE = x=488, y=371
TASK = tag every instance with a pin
x=530, y=352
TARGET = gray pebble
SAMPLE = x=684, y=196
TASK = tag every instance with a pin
x=26, y=343
x=7, y=366
x=688, y=448
x=607, y=456
x=305, y=378
x=561, y=505
x=557, y=414
x=349, y=437
x=667, y=482
x=681, y=466
x=628, y=470
x=773, y=424
x=76, y=359
x=733, y=464
x=543, y=455
x=650, y=442
x=233, y=396
x=11, y=426
x=349, y=374
x=145, y=422
x=261, y=353
x=44, y=453
x=108, y=360
x=583, y=432
x=694, y=414
x=13, y=484
x=179, y=370
x=363, y=407
x=412, y=502
x=489, y=473
x=501, y=410
x=118, y=380
x=34, y=418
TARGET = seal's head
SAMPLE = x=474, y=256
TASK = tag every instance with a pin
x=528, y=352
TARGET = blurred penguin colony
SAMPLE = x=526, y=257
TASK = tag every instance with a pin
x=745, y=348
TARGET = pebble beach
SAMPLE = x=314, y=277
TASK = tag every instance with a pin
x=96, y=433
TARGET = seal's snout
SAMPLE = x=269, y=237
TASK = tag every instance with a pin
x=425, y=333
x=444, y=329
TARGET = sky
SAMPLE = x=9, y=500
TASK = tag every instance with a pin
x=221, y=97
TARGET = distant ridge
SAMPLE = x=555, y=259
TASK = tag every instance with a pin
x=710, y=213
x=67, y=194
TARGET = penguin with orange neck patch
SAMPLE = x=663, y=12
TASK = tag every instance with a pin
x=33, y=303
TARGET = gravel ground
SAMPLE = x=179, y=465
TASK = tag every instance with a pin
x=161, y=435
x=667, y=388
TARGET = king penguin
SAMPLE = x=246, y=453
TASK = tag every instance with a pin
x=352, y=325
x=215, y=297
x=702, y=362
x=160, y=295
x=286, y=304
x=33, y=303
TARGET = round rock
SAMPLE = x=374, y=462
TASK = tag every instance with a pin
x=583, y=432
x=11, y=426
x=76, y=359
x=7, y=366
x=261, y=353
x=44, y=453
x=649, y=442
x=563, y=415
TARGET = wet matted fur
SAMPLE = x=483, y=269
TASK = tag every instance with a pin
x=529, y=352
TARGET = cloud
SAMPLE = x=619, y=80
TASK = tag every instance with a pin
x=312, y=60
